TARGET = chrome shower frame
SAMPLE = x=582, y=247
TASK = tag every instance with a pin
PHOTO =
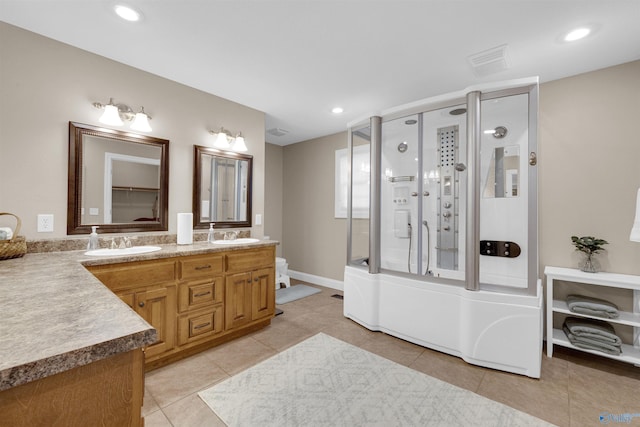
x=472, y=99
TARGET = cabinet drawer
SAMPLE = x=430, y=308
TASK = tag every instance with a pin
x=200, y=325
x=135, y=275
x=200, y=266
x=249, y=260
x=198, y=294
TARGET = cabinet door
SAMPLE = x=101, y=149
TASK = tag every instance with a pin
x=263, y=293
x=237, y=310
x=158, y=307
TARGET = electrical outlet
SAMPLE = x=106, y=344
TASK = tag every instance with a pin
x=45, y=223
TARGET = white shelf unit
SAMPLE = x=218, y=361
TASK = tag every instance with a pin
x=630, y=352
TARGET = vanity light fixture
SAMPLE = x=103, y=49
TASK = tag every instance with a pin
x=225, y=141
x=116, y=114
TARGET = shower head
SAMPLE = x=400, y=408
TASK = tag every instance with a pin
x=458, y=111
x=500, y=132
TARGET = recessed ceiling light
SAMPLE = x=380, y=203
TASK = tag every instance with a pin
x=337, y=110
x=127, y=13
x=577, y=34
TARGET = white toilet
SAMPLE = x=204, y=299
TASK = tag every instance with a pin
x=282, y=268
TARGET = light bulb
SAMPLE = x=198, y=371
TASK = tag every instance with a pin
x=111, y=116
x=141, y=122
x=221, y=140
x=238, y=144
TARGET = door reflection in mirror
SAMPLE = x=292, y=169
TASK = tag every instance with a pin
x=117, y=180
x=225, y=196
x=222, y=188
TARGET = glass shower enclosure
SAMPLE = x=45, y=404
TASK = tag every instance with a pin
x=442, y=225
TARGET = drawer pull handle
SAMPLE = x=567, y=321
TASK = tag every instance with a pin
x=204, y=325
x=141, y=303
x=256, y=279
x=204, y=267
x=201, y=294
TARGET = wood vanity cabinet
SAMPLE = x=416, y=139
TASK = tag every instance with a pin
x=149, y=288
x=196, y=301
x=250, y=295
x=200, y=298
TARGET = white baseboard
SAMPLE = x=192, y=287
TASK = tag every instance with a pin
x=317, y=280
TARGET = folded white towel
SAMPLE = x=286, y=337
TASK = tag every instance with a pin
x=6, y=233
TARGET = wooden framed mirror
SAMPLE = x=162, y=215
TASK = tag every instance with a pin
x=117, y=180
x=222, y=183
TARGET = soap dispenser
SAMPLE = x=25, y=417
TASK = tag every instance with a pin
x=94, y=243
x=211, y=236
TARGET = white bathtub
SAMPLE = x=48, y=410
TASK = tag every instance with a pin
x=491, y=329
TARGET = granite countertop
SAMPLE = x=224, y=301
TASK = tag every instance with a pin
x=57, y=316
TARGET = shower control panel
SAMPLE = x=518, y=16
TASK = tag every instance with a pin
x=499, y=248
x=447, y=246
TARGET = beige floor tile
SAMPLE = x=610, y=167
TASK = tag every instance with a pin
x=347, y=331
x=239, y=354
x=149, y=405
x=333, y=310
x=593, y=392
x=281, y=335
x=156, y=419
x=192, y=412
x=546, y=398
x=402, y=352
x=173, y=382
x=604, y=364
x=449, y=368
x=574, y=388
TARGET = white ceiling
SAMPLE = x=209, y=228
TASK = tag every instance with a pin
x=297, y=59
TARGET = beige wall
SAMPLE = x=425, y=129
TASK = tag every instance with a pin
x=589, y=172
x=273, y=182
x=45, y=84
x=589, y=169
x=314, y=241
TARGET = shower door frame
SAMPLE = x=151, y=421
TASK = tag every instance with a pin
x=472, y=282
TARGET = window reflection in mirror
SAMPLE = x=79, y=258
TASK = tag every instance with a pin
x=117, y=180
x=222, y=188
x=503, y=173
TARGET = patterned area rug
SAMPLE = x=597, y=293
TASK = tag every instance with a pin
x=323, y=381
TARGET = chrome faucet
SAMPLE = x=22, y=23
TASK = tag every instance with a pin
x=125, y=242
x=231, y=235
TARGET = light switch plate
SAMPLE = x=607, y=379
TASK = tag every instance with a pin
x=258, y=219
x=45, y=223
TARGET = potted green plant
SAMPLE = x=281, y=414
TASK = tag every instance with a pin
x=589, y=245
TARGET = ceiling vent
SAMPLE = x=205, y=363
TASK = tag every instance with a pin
x=277, y=131
x=490, y=61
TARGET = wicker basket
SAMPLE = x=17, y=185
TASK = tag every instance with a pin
x=16, y=246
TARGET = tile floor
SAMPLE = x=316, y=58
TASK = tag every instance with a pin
x=574, y=389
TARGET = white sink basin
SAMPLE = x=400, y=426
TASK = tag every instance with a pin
x=240, y=241
x=126, y=251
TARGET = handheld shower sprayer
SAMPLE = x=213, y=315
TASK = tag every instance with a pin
x=426, y=224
